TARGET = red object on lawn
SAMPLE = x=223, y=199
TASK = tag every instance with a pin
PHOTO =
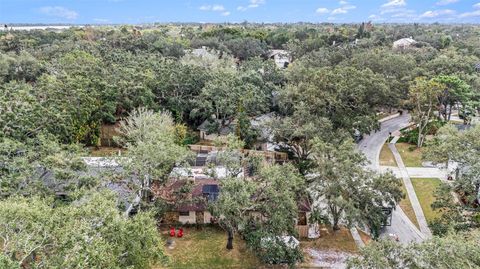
x=172, y=231
x=180, y=232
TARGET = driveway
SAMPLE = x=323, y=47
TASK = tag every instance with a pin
x=370, y=146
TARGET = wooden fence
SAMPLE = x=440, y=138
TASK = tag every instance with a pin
x=268, y=155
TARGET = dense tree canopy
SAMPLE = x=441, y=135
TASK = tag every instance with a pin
x=91, y=233
x=60, y=90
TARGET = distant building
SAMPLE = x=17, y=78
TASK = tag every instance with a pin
x=477, y=67
x=204, y=53
x=282, y=58
x=404, y=43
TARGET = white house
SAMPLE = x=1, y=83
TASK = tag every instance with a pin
x=281, y=57
x=404, y=43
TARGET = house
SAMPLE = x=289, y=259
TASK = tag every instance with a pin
x=404, y=43
x=205, y=53
x=282, y=58
x=208, y=155
x=190, y=200
x=211, y=130
x=265, y=140
x=477, y=67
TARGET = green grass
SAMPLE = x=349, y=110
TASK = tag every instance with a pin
x=205, y=248
x=407, y=208
x=411, y=155
x=340, y=240
x=425, y=189
x=386, y=157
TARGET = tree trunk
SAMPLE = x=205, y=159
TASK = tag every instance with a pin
x=420, y=134
x=230, y=239
x=335, y=223
x=450, y=113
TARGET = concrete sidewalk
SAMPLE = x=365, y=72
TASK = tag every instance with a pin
x=422, y=221
x=417, y=172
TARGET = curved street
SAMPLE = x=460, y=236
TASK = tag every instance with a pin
x=370, y=146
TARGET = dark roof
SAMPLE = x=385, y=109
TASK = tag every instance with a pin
x=203, y=190
x=195, y=200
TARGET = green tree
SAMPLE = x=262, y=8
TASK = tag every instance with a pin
x=88, y=234
x=268, y=202
x=453, y=251
x=41, y=166
x=456, y=91
x=295, y=133
x=423, y=97
x=149, y=138
x=351, y=194
x=462, y=149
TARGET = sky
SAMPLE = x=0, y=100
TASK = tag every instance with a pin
x=268, y=11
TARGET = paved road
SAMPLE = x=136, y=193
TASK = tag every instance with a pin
x=371, y=146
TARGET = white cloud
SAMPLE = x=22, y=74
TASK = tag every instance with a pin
x=215, y=8
x=405, y=14
x=339, y=11
x=477, y=5
x=343, y=10
x=343, y=2
x=446, y=2
x=475, y=13
x=218, y=8
x=252, y=4
x=374, y=17
x=393, y=10
x=394, y=3
x=322, y=10
x=60, y=12
x=438, y=13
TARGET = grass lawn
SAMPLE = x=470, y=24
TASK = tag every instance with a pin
x=340, y=240
x=407, y=208
x=411, y=156
x=386, y=157
x=425, y=189
x=206, y=249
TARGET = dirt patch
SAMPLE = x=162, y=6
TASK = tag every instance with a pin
x=327, y=258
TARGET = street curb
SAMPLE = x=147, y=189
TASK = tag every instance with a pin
x=389, y=117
